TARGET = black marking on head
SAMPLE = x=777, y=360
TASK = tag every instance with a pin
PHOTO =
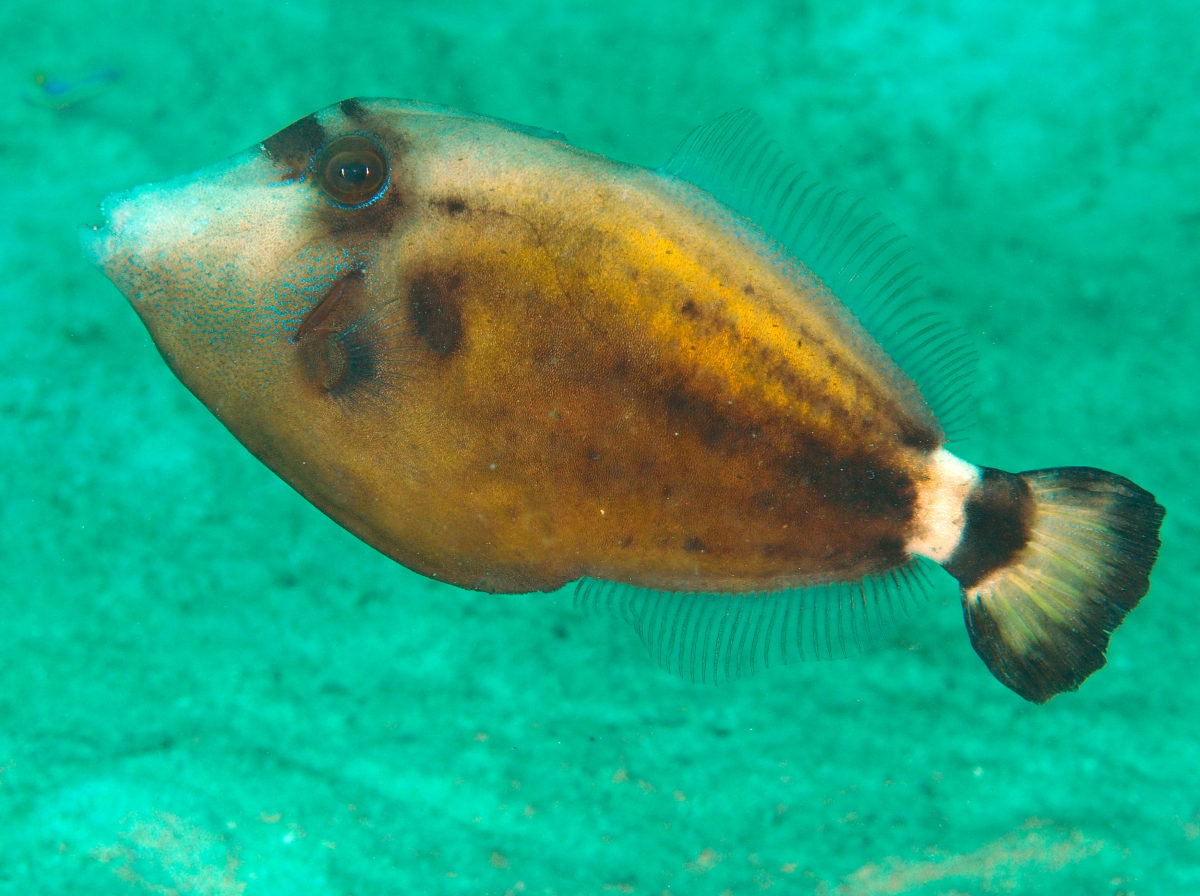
x=450, y=205
x=690, y=310
x=354, y=110
x=999, y=517
x=293, y=148
x=436, y=312
x=694, y=545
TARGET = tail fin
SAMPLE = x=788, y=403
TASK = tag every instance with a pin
x=1050, y=562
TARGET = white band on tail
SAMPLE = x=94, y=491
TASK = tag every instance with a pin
x=940, y=516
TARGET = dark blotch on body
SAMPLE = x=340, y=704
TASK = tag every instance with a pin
x=708, y=421
x=450, y=205
x=920, y=438
x=857, y=484
x=434, y=297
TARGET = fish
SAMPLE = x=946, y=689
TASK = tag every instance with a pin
x=63, y=93
x=711, y=394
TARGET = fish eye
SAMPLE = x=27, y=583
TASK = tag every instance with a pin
x=352, y=170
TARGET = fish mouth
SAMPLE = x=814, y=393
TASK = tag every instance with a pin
x=95, y=239
x=101, y=242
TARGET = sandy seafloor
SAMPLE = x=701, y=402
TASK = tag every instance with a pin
x=208, y=687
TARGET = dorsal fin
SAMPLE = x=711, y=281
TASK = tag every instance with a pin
x=711, y=638
x=864, y=259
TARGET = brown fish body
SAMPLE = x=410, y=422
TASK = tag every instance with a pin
x=598, y=371
x=517, y=364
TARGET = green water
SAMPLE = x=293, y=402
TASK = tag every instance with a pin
x=207, y=687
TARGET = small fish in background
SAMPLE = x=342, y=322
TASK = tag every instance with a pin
x=62, y=93
x=510, y=364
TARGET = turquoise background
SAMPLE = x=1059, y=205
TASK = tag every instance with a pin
x=207, y=687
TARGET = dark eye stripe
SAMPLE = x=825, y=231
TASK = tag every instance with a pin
x=293, y=148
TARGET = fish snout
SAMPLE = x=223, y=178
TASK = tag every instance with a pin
x=232, y=216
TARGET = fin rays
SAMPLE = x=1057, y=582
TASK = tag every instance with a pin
x=712, y=638
x=1042, y=623
x=859, y=255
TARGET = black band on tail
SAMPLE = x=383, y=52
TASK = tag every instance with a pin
x=999, y=513
x=1050, y=563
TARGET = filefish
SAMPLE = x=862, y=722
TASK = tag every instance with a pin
x=510, y=364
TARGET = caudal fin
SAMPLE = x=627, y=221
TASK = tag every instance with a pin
x=1050, y=563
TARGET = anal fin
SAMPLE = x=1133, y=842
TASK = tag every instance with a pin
x=712, y=638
